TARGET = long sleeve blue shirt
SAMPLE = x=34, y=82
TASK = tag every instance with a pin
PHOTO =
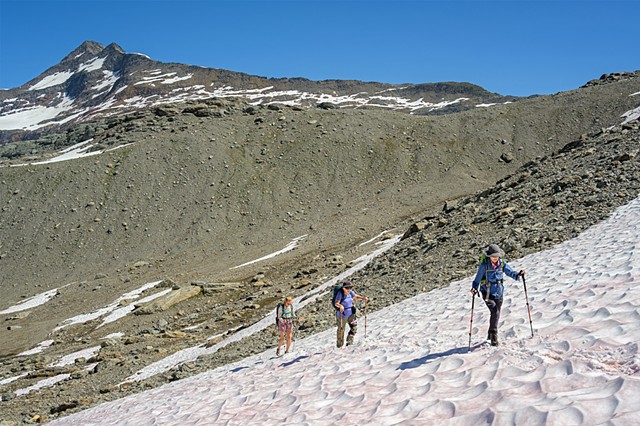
x=494, y=276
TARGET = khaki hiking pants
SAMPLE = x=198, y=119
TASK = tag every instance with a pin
x=342, y=324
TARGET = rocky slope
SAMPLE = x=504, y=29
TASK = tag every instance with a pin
x=195, y=189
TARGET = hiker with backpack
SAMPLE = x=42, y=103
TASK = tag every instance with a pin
x=489, y=283
x=343, y=301
x=285, y=315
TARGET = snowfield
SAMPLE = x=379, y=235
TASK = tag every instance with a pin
x=413, y=366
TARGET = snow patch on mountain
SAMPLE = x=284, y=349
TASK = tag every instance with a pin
x=31, y=302
x=93, y=65
x=168, y=78
x=110, y=78
x=61, y=77
x=39, y=116
x=52, y=80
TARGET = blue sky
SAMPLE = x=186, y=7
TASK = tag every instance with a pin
x=515, y=47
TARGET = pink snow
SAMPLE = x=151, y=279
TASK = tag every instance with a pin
x=412, y=367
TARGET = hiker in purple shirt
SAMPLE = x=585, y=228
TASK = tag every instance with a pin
x=345, y=313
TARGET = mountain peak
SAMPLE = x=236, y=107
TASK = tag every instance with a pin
x=89, y=46
x=114, y=47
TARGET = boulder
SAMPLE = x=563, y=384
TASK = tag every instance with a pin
x=211, y=289
x=168, y=300
x=415, y=227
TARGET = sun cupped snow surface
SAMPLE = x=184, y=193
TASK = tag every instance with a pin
x=412, y=367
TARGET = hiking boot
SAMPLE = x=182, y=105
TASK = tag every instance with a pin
x=494, y=338
x=278, y=352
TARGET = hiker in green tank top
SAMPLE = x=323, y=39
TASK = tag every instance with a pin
x=285, y=317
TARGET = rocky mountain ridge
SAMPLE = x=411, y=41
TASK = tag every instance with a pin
x=97, y=81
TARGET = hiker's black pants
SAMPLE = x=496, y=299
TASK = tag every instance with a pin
x=494, y=306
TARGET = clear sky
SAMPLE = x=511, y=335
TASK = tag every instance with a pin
x=512, y=47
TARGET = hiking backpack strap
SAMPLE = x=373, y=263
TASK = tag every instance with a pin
x=488, y=263
x=487, y=284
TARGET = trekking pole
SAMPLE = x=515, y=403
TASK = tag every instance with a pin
x=473, y=301
x=524, y=283
x=293, y=336
x=365, y=318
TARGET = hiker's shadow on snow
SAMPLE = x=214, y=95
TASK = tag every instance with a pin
x=293, y=361
x=235, y=370
x=414, y=363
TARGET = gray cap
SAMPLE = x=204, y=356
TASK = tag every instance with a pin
x=493, y=250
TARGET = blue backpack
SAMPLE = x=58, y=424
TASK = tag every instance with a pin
x=337, y=290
